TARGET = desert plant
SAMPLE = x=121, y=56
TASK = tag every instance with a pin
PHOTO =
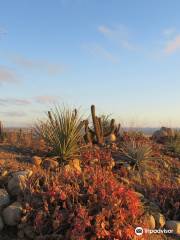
x=102, y=127
x=92, y=205
x=2, y=134
x=61, y=132
x=136, y=153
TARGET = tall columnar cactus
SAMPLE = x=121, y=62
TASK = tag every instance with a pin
x=98, y=133
x=1, y=131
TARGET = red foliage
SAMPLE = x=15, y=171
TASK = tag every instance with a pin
x=91, y=205
x=167, y=196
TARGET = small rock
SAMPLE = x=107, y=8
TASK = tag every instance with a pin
x=26, y=173
x=4, y=198
x=37, y=160
x=149, y=221
x=50, y=164
x=16, y=185
x=1, y=224
x=112, y=137
x=177, y=180
x=12, y=214
x=163, y=134
x=94, y=161
x=173, y=225
x=74, y=165
x=159, y=219
x=4, y=173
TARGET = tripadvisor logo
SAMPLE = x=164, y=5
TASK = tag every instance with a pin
x=139, y=231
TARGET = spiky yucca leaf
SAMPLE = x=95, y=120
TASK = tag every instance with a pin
x=137, y=153
x=62, y=132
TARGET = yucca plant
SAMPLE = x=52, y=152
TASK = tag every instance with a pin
x=136, y=153
x=62, y=131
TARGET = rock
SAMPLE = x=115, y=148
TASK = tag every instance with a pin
x=26, y=173
x=163, y=134
x=94, y=161
x=1, y=224
x=112, y=137
x=149, y=221
x=74, y=165
x=12, y=214
x=4, y=198
x=159, y=219
x=50, y=164
x=173, y=225
x=37, y=160
x=177, y=180
x=16, y=185
x=4, y=173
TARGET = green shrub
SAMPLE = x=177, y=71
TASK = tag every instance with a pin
x=62, y=132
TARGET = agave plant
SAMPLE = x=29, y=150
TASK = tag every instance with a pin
x=137, y=153
x=62, y=132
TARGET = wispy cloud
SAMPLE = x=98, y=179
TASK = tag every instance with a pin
x=14, y=101
x=13, y=114
x=47, y=99
x=42, y=66
x=7, y=75
x=96, y=49
x=119, y=35
x=173, y=45
x=169, y=32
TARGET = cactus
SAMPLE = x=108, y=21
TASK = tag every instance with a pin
x=1, y=132
x=98, y=135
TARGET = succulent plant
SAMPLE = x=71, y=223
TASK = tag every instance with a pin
x=137, y=153
x=102, y=128
x=62, y=132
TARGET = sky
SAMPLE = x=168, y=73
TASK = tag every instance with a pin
x=121, y=55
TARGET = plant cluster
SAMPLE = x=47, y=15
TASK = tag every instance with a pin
x=91, y=205
x=167, y=197
x=97, y=156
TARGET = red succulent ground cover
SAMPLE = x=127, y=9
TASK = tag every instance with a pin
x=90, y=205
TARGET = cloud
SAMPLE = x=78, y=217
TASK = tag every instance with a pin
x=169, y=32
x=14, y=101
x=7, y=75
x=46, y=99
x=42, y=66
x=119, y=35
x=96, y=49
x=14, y=114
x=173, y=45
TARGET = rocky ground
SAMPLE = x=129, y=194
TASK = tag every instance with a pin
x=18, y=164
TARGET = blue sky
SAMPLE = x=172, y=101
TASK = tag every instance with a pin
x=121, y=55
